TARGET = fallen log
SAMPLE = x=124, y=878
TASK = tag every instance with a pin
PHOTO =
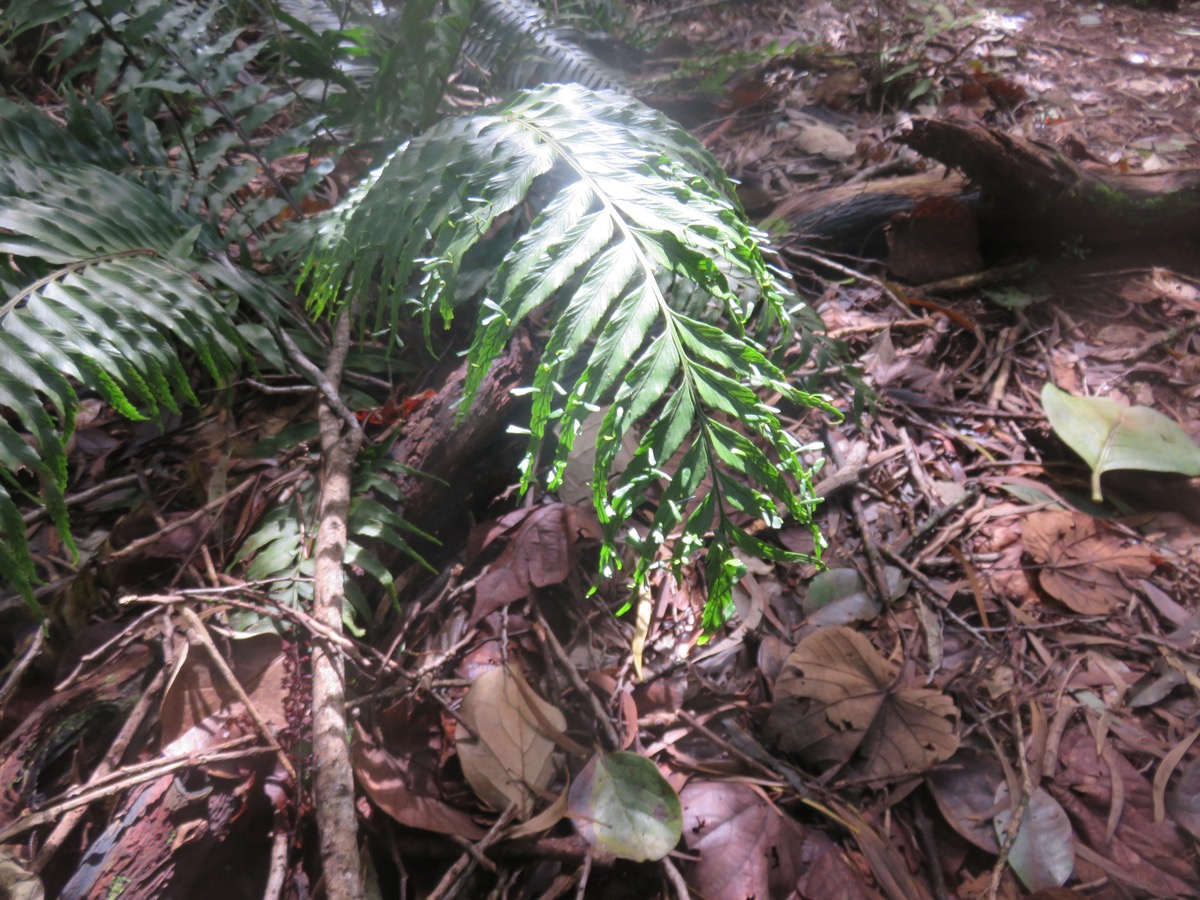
x=1022, y=197
x=1032, y=196
x=459, y=467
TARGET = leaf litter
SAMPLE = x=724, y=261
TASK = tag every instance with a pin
x=1024, y=655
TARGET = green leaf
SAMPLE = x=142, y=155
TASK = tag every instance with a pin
x=1109, y=435
x=622, y=805
x=633, y=236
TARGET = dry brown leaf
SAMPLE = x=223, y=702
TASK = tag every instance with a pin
x=507, y=754
x=542, y=549
x=200, y=709
x=1086, y=569
x=965, y=792
x=836, y=704
x=1141, y=853
x=400, y=772
x=749, y=850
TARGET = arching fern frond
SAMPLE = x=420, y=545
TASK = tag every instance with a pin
x=515, y=42
x=103, y=281
x=631, y=197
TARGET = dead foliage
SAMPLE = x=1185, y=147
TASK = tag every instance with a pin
x=994, y=691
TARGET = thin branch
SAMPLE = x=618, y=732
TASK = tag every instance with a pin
x=122, y=779
x=333, y=780
x=197, y=629
x=324, y=383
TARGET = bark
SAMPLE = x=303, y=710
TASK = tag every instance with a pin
x=1025, y=197
x=1034, y=196
x=333, y=777
x=469, y=460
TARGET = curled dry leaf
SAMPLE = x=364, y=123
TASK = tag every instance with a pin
x=507, y=746
x=400, y=772
x=836, y=705
x=1086, y=569
x=748, y=849
x=542, y=549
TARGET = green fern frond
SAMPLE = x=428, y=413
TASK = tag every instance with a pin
x=631, y=196
x=514, y=42
x=103, y=287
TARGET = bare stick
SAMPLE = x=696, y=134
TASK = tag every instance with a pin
x=333, y=780
x=196, y=627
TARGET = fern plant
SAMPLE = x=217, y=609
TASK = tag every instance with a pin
x=626, y=196
x=120, y=243
x=515, y=45
x=119, y=220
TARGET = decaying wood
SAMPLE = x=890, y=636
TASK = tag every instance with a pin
x=472, y=458
x=1031, y=194
x=1025, y=196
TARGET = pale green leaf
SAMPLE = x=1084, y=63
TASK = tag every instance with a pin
x=1109, y=435
x=621, y=804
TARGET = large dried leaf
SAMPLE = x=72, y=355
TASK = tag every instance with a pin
x=1087, y=569
x=622, y=805
x=400, y=771
x=749, y=850
x=965, y=792
x=507, y=746
x=1043, y=852
x=1149, y=856
x=836, y=705
x=1109, y=435
x=542, y=549
x=201, y=709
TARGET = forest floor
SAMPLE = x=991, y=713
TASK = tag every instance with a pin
x=994, y=689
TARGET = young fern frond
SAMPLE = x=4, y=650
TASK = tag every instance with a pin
x=629, y=196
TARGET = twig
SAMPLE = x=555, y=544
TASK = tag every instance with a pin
x=544, y=631
x=197, y=629
x=676, y=878
x=322, y=380
x=879, y=283
x=122, y=779
x=99, y=490
x=36, y=642
x=333, y=780
x=277, y=874
x=874, y=562
x=191, y=517
x=448, y=886
x=584, y=872
x=725, y=745
x=1018, y=814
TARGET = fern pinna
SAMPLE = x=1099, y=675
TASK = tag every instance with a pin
x=630, y=208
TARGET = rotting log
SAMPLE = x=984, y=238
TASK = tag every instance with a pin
x=1031, y=195
x=463, y=464
x=1026, y=198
